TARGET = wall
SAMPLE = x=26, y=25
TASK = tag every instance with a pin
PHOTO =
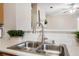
x=23, y=16
x=38, y=14
x=34, y=15
x=9, y=18
x=42, y=13
x=62, y=22
x=16, y=16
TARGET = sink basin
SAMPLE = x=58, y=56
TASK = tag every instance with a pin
x=50, y=49
x=42, y=49
x=27, y=46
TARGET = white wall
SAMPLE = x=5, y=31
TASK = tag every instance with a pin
x=34, y=15
x=23, y=16
x=42, y=13
x=16, y=16
x=9, y=17
x=62, y=22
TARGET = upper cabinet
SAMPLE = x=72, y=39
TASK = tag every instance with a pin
x=1, y=13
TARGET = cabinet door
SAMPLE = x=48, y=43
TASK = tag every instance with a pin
x=1, y=13
x=6, y=54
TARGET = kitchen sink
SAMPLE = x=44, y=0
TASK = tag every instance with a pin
x=45, y=49
x=27, y=46
x=52, y=49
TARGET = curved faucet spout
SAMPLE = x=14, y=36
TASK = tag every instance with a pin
x=34, y=30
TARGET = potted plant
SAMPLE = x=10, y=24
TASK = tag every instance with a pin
x=16, y=33
x=77, y=36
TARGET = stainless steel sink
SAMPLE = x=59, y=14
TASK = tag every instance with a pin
x=39, y=48
x=27, y=46
x=49, y=49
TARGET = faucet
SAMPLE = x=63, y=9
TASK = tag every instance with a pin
x=42, y=37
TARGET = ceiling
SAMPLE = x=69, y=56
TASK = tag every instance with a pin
x=58, y=8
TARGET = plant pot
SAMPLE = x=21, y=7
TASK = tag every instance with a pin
x=16, y=38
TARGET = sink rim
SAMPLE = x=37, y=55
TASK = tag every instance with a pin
x=33, y=51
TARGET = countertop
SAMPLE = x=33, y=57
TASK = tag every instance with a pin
x=7, y=43
x=68, y=39
x=18, y=53
x=3, y=48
